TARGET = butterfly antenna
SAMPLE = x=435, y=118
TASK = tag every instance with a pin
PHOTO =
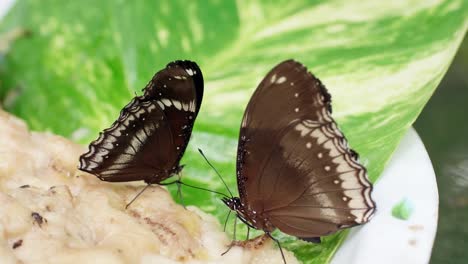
x=136, y=196
x=201, y=188
x=219, y=175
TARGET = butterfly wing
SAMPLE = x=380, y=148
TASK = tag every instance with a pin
x=152, y=132
x=293, y=165
x=136, y=147
x=178, y=90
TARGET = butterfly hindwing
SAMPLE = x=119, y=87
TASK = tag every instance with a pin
x=294, y=165
x=132, y=146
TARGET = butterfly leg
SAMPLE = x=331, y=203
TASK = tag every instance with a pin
x=233, y=241
x=248, y=232
x=136, y=196
x=279, y=245
x=226, y=221
x=179, y=190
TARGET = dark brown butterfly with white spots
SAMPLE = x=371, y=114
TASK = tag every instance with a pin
x=295, y=171
x=152, y=132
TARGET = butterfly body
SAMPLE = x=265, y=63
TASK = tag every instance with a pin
x=248, y=216
x=149, y=137
x=295, y=171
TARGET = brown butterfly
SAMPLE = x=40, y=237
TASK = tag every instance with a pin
x=152, y=132
x=295, y=171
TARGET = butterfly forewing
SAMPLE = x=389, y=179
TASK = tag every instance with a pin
x=294, y=165
x=152, y=132
x=178, y=90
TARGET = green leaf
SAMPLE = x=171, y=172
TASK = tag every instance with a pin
x=403, y=209
x=381, y=61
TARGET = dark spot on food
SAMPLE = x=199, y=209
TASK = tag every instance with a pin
x=25, y=186
x=413, y=242
x=38, y=219
x=120, y=250
x=17, y=244
x=135, y=214
x=159, y=226
x=52, y=190
x=156, y=228
x=48, y=209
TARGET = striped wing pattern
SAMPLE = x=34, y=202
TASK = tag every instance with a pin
x=151, y=134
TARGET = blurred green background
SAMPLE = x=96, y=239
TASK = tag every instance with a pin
x=380, y=60
x=443, y=127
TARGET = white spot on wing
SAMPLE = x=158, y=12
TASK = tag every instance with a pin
x=281, y=80
x=349, y=180
x=117, y=132
x=317, y=134
x=304, y=130
x=141, y=135
x=166, y=102
x=190, y=72
x=192, y=106
x=333, y=149
x=338, y=160
x=177, y=104
x=273, y=78
x=151, y=108
x=344, y=167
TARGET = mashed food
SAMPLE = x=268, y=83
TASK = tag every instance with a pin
x=50, y=212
